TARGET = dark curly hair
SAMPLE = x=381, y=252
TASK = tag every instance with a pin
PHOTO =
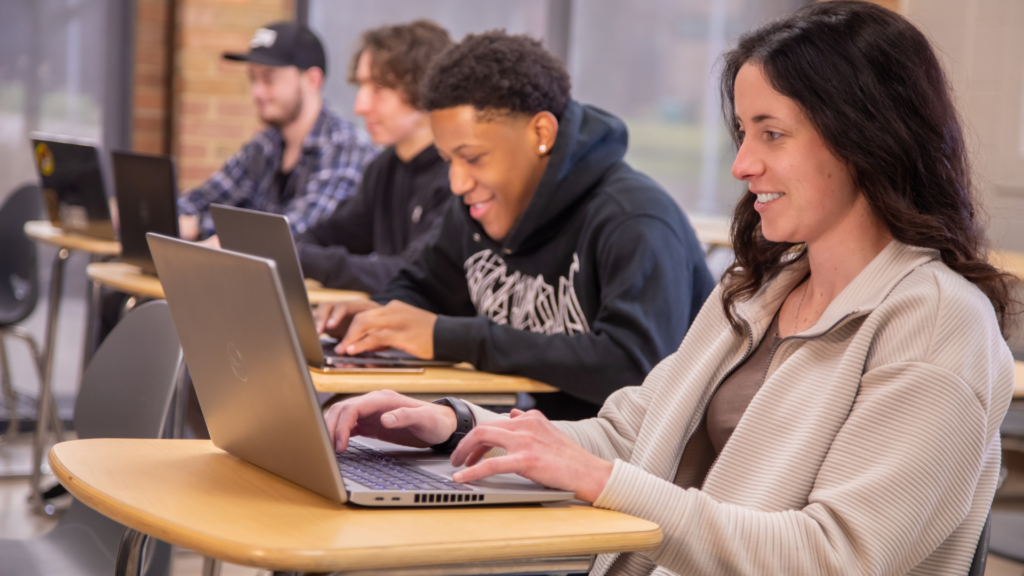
x=497, y=72
x=401, y=55
x=871, y=85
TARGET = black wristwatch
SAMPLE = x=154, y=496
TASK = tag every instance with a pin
x=464, y=423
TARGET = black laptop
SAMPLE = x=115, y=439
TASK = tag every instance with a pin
x=147, y=201
x=73, y=185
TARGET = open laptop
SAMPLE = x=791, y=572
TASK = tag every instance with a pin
x=260, y=405
x=269, y=236
x=147, y=201
x=73, y=185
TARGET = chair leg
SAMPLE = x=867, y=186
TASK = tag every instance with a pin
x=129, y=553
x=24, y=335
x=10, y=397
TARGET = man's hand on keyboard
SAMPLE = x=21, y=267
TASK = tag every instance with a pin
x=391, y=417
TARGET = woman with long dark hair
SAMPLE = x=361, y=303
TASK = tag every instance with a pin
x=835, y=407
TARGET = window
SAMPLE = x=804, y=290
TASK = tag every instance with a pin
x=62, y=64
x=339, y=23
x=651, y=62
x=654, y=63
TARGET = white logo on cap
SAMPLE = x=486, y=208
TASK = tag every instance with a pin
x=264, y=37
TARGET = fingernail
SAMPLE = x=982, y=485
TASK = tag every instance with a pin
x=351, y=349
x=457, y=476
x=388, y=420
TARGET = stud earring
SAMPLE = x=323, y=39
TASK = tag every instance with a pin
x=543, y=148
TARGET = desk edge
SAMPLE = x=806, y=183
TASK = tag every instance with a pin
x=364, y=558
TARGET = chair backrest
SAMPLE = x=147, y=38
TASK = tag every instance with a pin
x=19, y=279
x=126, y=391
x=981, y=552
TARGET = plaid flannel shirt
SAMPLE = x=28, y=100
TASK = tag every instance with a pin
x=334, y=155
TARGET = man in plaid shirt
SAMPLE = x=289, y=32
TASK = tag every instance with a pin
x=308, y=159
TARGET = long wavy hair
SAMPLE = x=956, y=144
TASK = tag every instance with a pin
x=871, y=85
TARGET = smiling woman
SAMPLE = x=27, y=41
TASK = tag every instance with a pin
x=861, y=140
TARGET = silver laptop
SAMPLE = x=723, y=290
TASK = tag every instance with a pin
x=254, y=387
x=269, y=236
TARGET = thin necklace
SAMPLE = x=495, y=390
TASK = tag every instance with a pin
x=798, y=307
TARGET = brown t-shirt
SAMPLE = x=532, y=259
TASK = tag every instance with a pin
x=724, y=412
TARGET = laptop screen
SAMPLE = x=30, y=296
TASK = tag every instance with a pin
x=147, y=202
x=73, y=189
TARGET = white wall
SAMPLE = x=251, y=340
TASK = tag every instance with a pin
x=981, y=44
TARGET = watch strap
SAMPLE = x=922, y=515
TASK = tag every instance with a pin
x=464, y=423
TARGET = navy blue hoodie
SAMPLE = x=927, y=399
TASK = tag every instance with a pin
x=597, y=281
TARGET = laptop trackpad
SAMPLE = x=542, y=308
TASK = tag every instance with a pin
x=441, y=465
x=497, y=482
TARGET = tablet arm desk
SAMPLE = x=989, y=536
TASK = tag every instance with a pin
x=193, y=495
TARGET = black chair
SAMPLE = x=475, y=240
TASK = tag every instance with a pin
x=981, y=552
x=19, y=286
x=126, y=392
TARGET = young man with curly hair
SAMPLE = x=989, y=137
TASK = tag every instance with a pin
x=561, y=263
x=404, y=190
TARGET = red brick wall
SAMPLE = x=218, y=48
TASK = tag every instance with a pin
x=149, y=113
x=212, y=115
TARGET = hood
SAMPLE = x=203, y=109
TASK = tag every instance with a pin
x=589, y=142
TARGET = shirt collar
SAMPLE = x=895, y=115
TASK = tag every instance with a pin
x=316, y=136
x=868, y=290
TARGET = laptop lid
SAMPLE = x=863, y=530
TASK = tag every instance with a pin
x=251, y=378
x=147, y=201
x=73, y=185
x=269, y=236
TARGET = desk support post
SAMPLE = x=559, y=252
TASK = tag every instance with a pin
x=47, y=406
x=129, y=553
x=93, y=296
x=211, y=566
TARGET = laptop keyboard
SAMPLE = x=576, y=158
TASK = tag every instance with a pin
x=376, y=470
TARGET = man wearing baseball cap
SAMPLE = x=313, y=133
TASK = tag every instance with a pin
x=308, y=158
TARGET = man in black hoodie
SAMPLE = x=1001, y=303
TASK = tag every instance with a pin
x=405, y=189
x=561, y=263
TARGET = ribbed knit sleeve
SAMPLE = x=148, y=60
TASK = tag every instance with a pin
x=899, y=478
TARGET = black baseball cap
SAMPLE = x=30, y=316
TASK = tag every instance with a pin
x=284, y=44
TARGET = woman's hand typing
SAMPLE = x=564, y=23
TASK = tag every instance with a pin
x=536, y=450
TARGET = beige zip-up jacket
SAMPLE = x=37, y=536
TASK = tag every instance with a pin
x=871, y=448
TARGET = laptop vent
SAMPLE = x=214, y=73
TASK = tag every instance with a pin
x=446, y=498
